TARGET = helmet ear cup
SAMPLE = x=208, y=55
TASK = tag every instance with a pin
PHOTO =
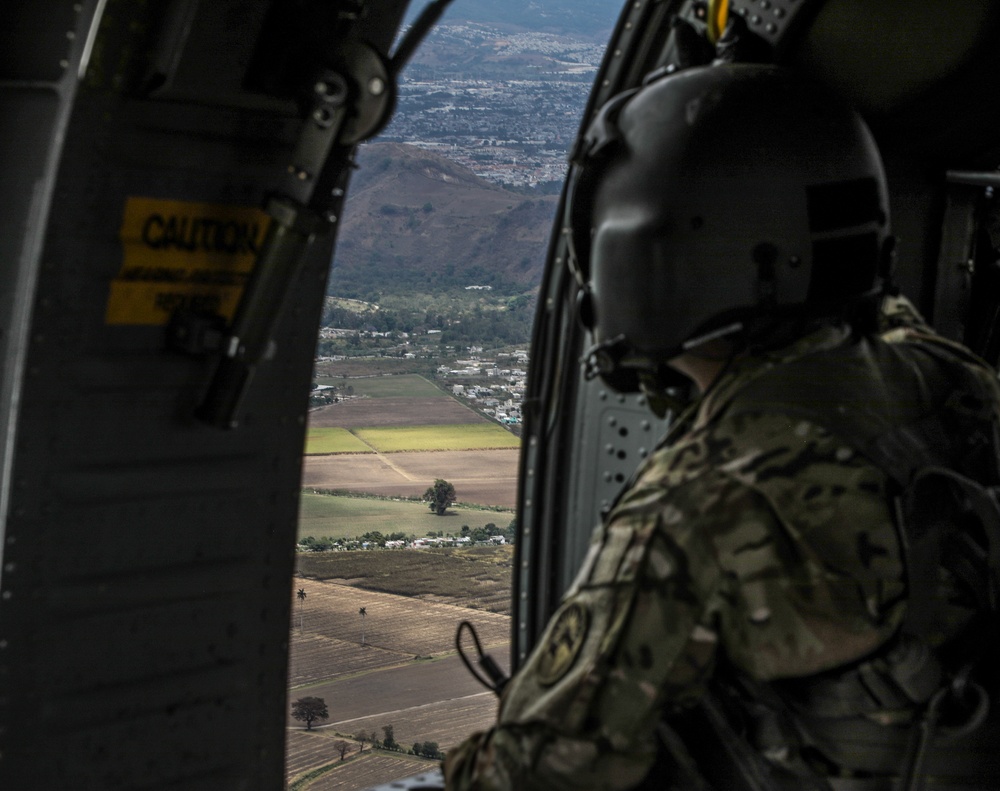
x=733, y=196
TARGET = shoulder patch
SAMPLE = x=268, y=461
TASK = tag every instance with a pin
x=566, y=638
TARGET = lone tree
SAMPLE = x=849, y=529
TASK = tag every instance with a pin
x=341, y=747
x=389, y=742
x=439, y=496
x=361, y=738
x=310, y=709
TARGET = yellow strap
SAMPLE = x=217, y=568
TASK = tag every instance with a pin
x=718, y=16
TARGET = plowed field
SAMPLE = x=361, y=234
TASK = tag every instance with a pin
x=364, y=771
x=326, y=638
x=483, y=477
x=368, y=412
x=405, y=673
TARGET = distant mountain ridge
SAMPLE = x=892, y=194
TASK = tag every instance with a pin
x=415, y=220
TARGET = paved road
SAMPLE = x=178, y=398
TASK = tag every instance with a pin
x=398, y=689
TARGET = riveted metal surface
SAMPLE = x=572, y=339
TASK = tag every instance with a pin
x=147, y=557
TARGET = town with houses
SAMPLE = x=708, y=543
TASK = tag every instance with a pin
x=493, y=384
x=510, y=115
x=495, y=387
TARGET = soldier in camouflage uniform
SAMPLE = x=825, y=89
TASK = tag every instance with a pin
x=757, y=542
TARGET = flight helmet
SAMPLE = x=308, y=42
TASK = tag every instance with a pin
x=712, y=201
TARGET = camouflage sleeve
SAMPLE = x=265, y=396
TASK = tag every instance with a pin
x=635, y=632
x=779, y=553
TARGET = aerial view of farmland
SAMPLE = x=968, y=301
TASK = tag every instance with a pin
x=383, y=581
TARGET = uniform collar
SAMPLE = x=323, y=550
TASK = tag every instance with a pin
x=747, y=367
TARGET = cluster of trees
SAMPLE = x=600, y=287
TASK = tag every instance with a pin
x=321, y=544
x=489, y=530
x=323, y=398
x=360, y=273
x=309, y=709
x=382, y=320
x=439, y=496
x=326, y=543
x=505, y=323
x=486, y=327
x=427, y=750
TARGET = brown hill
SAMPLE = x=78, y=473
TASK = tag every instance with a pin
x=417, y=220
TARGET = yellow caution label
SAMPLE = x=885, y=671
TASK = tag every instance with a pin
x=180, y=254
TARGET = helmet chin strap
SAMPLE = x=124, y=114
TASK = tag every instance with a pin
x=714, y=335
x=617, y=354
x=624, y=369
x=663, y=400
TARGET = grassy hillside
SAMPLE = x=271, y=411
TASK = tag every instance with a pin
x=417, y=221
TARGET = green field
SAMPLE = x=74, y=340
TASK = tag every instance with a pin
x=472, y=436
x=334, y=440
x=475, y=436
x=400, y=386
x=327, y=516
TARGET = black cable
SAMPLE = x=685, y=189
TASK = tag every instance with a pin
x=494, y=679
x=416, y=34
